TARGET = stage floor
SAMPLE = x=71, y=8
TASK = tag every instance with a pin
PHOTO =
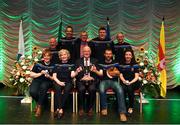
x=157, y=111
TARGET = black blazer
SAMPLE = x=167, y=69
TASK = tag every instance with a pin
x=80, y=62
x=69, y=44
x=78, y=45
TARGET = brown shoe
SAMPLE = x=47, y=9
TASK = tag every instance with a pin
x=122, y=117
x=90, y=112
x=130, y=110
x=81, y=112
x=104, y=112
x=38, y=111
x=55, y=113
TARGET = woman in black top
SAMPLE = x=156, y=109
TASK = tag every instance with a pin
x=42, y=81
x=63, y=81
x=129, y=77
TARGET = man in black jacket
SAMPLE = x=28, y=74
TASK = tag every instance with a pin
x=100, y=44
x=87, y=73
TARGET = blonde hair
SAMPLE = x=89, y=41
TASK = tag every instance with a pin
x=64, y=51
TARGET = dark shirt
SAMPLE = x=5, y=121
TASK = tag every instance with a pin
x=99, y=47
x=129, y=71
x=38, y=67
x=69, y=44
x=78, y=46
x=119, y=50
x=63, y=71
x=104, y=66
x=80, y=62
x=55, y=55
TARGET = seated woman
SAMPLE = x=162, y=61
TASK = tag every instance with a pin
x=62, y=77
x=42, y=80
x=129, y=77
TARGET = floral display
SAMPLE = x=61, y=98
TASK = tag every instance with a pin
x=20, y=75
x=149, y=74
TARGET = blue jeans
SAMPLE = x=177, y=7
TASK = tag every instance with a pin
x=106, y=84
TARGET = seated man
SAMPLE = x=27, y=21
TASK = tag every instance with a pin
x=110, y=80
x=87, y=74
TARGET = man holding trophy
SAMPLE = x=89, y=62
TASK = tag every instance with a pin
x=87, y=73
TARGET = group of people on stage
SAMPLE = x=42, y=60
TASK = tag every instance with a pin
x=95, y=66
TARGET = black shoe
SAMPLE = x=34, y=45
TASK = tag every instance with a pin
x=55, y=114
x=60, y=115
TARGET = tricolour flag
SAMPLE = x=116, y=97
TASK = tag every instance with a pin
x=161, y=61
x=108, y=36
x=21, y=48
x=60, y=31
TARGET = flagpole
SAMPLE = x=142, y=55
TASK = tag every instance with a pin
x=108, y=29
x=21, y=53
x=60, y=30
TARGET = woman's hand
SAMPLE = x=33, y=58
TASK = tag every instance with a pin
x=60, y=83
x=79, y=69
x=126, y=82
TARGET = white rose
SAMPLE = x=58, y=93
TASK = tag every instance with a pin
x=18, y=73
x=24, y=67
x=39, y=52
x=141, y=54
x=29, y=57
x=158, y=82
x=146, y=52
x=28, y=72
x=145, y=81
x=141, y=64
x=22, y=63
x=36, y=60
x=140, y=79
x=21, y=80
x=145, y=70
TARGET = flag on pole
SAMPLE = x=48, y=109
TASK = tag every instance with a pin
x=161, y=61
x=108, y=36
x=60, y=31
x=21, y=48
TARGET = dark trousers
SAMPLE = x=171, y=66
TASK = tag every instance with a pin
x=129, y=91
x=91, y=89
x=38, y=90
x=60, y=99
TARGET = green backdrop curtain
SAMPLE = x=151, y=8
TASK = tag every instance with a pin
x=140, y=20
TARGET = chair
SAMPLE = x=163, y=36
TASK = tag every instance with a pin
x=76, y=100
x=111, y=92
x=52, y=92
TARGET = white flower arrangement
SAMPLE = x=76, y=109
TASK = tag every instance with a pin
x=149, y=74
x=20, y=75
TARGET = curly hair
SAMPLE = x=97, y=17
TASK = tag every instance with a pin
x=64, y=51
